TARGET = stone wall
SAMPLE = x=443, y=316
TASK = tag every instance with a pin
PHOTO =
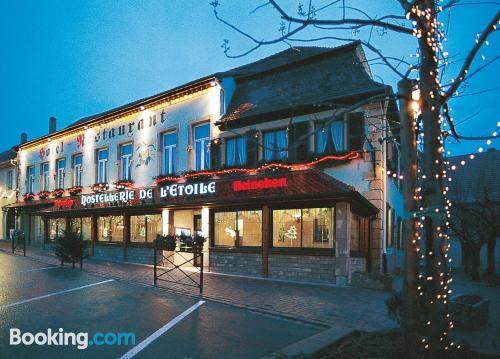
x=302, y=268
x=112, y=252
x=140, y=255
x=356, y=264
x=249, y=264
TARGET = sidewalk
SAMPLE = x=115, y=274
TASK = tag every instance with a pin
x=324, y=305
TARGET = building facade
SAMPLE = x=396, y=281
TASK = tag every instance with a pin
x=8, y=188
x=272, y=162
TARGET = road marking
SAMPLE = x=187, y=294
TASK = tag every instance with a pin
x=37, y=269
x=53, y=294
x=132, y=352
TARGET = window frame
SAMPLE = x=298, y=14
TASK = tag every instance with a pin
x=10, y=180
x=109, y=218
x=322, y=123
x=235, y=138
x=275, y=155
x=236, y=210
x=77, y=170
x=30, y=179
x=60, y=173
x=122, y=157
x=203, y=165
x=98, y=165
x=45, y=176
x=173, y=164
x=145, y=222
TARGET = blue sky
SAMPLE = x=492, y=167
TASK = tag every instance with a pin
x=71, y=59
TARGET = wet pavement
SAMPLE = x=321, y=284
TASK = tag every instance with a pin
x=35, y=296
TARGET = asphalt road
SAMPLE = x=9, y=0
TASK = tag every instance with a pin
x=35, y=297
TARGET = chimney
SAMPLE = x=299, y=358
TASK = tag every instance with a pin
x=52, y=125
x=24, y=138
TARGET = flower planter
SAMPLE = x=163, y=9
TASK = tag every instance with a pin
x=469, y=311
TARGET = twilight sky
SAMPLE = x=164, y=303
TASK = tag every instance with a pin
x=71, y=59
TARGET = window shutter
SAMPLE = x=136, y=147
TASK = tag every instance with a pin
x=299, y=141
x=252, y=148
x=215, y=155
x=356, y=131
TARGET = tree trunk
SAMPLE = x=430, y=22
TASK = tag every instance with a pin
x=466, y=258
x=491, y=268
x=475, y=262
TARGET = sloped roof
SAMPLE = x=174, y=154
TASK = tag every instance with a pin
x=7, y=156
x=298, y=79
x=476, y=178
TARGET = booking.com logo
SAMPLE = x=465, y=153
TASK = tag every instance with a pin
x=61, y=338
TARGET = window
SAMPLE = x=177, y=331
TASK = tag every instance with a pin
x=77, y=170
x=61, y=168
x=201, y=141
x=83, y=227
x=145, y=228
x=110, y=228
x=31, y=179
x=236, y=151
x=304, y=228
x=102, y=166
x=45, y=176
x=330, y=138
x=57, y=226
x=222, y=102
x=10, y=180
x=238, y=229
x=275, y=145
x=169, y=144
x=126, y=162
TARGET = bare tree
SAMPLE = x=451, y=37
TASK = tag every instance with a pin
x=423, y=22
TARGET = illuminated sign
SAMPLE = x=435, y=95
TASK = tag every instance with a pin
x=175, y=190
x=264, y=183
x=60, y=203
x=123, y=196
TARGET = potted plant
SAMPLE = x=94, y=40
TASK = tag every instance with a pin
x=75, y=190
x=43, y=194
x=28, y=196
x=71, y=248
x=58, y=192
x=99, y=187
x=168, y=242
x=198, y=241
x=124, y=184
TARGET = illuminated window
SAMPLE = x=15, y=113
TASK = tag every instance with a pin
x=169, y=143
x=275, y=145
x=31, y=179
x=304, y=227
x=10, y=179
x=61, y=168
x=238, y=229
x=57, y=226
x=110, y=229
x=145, y=228
x=82, y=226
x=126, y=162
x=236, y=151
x=102, y=166
x=201, y=142
x=45, y=176
x=77, y=170
x=333, y=132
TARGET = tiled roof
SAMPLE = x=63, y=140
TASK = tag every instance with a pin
x=476, y=178
x=298, y=79
x=7, y=155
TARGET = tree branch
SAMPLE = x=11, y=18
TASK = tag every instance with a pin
x=361, y=22
x=465, y=68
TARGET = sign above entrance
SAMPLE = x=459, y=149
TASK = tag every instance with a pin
x=62, y=203
x=264, y=183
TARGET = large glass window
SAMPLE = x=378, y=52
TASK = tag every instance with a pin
x=275, y=145
x=236, y=151
x=61, y=169
x=31, y=179
x=238, y=229
x=304, y=227
x=169, y=143
x=126, y=162
x=145, y=228
x=57, y=226
x=77, y=170
x=110, y=229
x=201, y=142
x=45, y=176
x=336, y=132
x=83, y=227
x=102, y=166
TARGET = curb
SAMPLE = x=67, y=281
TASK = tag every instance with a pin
x=314, y=345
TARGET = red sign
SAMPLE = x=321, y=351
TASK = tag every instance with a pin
x=61, y=203
x=259, y=184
